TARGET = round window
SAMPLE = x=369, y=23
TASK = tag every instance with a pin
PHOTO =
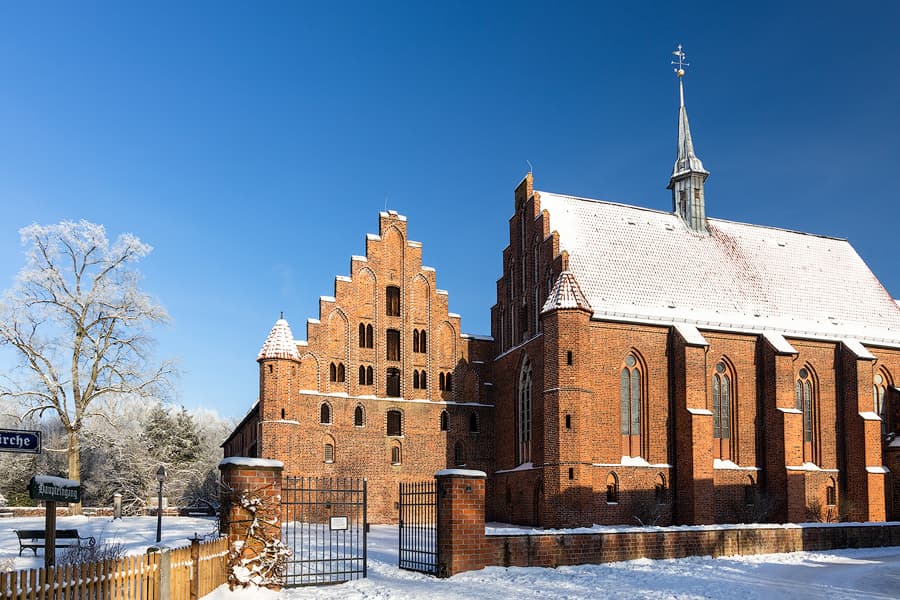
x=879, y=379
x=803, y=373
x=720, y=368
x=629, y=360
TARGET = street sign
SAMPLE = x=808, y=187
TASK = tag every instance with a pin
x=54, y=489
x=20, y=440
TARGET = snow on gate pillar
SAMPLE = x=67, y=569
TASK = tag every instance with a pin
x=460, y=521
x=252, y=494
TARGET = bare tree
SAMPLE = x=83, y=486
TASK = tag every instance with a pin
x=80, y=326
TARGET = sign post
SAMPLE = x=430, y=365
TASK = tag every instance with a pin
x=52, y=490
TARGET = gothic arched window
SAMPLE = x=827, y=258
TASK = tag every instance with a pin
x=445, y=425
x=879, y=388
x=524, y=413
x=325, y=414
x=631, y=396
x=359, y=417
x=805, y=392
x=723, y=402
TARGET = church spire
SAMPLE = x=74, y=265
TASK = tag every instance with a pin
x=688, y=175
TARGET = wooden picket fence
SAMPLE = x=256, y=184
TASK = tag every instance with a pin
x=129, y=578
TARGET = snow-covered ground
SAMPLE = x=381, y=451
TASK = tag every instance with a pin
x=865, y=573
x=850, y=574
x=135, y=534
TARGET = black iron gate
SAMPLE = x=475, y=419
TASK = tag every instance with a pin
x=324, y=525
x=418, y=527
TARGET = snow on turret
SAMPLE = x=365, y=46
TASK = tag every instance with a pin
x=280, y=343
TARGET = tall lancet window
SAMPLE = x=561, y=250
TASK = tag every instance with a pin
x=878, y=391
x=723, y=402
x=525, y=391
x=805, y=392
x=631, y=395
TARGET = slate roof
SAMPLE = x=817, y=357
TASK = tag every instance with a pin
x=280, y=343
x=640, y=264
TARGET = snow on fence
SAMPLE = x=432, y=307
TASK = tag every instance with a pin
x=191, y=575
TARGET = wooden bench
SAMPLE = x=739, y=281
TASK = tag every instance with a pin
x=37, y=538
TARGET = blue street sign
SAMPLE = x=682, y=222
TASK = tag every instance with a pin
x=19, y=440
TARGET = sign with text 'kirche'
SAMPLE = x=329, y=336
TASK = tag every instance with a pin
x=20, y=440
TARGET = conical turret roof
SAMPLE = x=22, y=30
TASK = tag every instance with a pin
x=280, y=343
x=566, y=293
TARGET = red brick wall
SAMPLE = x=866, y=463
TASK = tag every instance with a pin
x=463, y=545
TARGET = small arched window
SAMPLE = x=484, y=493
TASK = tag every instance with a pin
x=369, y=375
x=332, y=372
x=359, y=417
x=282, y=414
x=340, y=373
x=445, y=425
x=362, y=375
x=325, y=414
x=370, y=338
x=750, y=491
x=393, y=344
x=423, y=384
x=362, y=335
x=394, y=423
x=448, y=381
x=415, y=380
x=423, y=341
x=831, y=493
x=329, y=452
x=415, y=340
x=660, y=491
x=459, y=454
x=396, y=457
x=612, y=489
x=442, y=382
x=473, y=422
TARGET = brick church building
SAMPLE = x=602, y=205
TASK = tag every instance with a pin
x=648, y=366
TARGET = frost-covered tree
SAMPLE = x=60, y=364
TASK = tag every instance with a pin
x=80, y=326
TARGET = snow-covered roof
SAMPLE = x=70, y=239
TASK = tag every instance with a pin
x=634, y=262
x=566, y=293
x=280, y=343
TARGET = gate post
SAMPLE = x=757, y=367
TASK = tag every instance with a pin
x=251, y=511
x=460, y=521
x=247, y=476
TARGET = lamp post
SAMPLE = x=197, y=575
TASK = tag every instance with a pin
x=160, y=477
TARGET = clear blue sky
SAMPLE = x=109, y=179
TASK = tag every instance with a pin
x=253, y=144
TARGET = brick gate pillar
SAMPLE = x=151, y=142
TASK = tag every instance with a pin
x=460, y=521
x=250, y=478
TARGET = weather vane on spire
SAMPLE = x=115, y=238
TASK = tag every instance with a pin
x=679, y=69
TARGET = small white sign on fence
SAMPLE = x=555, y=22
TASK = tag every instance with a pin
x=338, y=523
